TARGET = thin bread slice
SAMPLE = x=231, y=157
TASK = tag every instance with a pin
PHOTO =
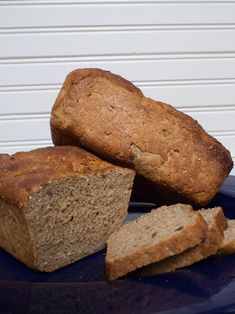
x=217, y=223
x=228, y=245
x=163, y=232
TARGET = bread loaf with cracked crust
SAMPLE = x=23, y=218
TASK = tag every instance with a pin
x=171, y=153
x=59, y=204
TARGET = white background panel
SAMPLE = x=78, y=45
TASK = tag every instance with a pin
x=90, y=43
x=113, y=14
x=201, y=95
x=46, y=72
x=228, y=141
x=27, y=102
x=215, y=121
x=14, y=147
x=22, y=129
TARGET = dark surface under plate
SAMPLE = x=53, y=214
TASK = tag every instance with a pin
x=205, y=287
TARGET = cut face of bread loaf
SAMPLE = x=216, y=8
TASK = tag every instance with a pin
x=59, y=204
x=169, y=150
x=163, y=232
x=217, y=223
x=228, y=245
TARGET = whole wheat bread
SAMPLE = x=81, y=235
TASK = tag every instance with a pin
x=217, y=223
x=171, y=153
x=228, y=245
x=163, y=232
x=59, y=204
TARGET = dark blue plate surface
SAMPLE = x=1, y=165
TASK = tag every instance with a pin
x=205, y=287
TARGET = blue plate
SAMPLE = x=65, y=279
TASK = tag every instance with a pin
x=205, y=287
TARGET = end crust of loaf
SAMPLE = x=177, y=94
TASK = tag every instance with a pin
x=228, y=245
x=217, y=223
x=63, y=205
x=164, y=232
x=110, y=117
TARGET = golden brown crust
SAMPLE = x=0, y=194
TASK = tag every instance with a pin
x=24, y=172
x=109, y=116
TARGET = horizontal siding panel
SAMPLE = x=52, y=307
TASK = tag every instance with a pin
x=21, y=148
x=193, y=95
x=12, y=147
x=111, y=42
x=215, y=121
x=133, y=70
x=20, y=130
x=102, y=2
x=228, y=142
x=183, y=97
x=27, y=102
x=108, y=14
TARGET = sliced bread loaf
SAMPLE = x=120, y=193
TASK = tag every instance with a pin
x=59, y=204
x=228, y=245
x=163, y=232
x=109, y=116
x=217, y=223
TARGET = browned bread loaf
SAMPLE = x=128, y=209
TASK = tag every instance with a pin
x=163, y=232
x=228, y=245
x=59, y=204
x=217, y=223
x=170, y=151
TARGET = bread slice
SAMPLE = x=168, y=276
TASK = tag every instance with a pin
x=228, y=245
x=217, y=223
x=163, y=232
x=109, y=116
x=59, y=204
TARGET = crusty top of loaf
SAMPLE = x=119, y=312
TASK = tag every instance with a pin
x=24, y=172
x=111, y=117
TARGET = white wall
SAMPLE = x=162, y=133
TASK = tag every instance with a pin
x=179, y=52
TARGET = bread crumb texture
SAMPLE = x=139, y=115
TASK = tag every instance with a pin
x=228, y=244
x=163, y=232
x=59, y=205
x=217, y=223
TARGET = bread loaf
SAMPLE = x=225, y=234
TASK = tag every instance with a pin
x=217, y=223
x=163, y=232
x=59, y=204
x=173, y=156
